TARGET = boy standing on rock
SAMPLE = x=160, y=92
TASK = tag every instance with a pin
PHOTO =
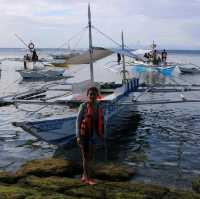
x=89, y=122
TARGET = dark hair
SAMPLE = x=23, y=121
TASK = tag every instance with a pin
x=93, y=89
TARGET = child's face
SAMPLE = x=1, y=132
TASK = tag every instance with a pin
x=91, y=96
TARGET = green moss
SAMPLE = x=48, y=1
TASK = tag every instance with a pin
x=96, y=191
x=181, y=195
x=52, y=196
x=55, y=184
x=49, y=167
x=15, y=192
x=113, y=172
x=123, y=194
x=141, y=190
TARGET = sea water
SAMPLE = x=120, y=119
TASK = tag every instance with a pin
x=163, y=144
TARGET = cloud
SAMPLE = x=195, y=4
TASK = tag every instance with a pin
x=49, y=22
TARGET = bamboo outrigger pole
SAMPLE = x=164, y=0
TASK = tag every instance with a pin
x=90, y=44
x=123, y=58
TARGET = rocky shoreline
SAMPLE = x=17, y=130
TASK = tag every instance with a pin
x=60, y=179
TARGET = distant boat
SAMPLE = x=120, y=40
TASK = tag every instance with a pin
x=165, y=68
x=41, y=74
x=189, y=69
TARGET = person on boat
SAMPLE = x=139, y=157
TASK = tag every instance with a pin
x=34, y=56
x=118, y=58
x=154, y=57
x=146, y=55
x=25, y=60
x=158, y=60
x=89, y=123
x=164, y=56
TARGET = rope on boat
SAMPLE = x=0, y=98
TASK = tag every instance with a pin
x=20, y=39
x=105, y=35
x=109, y=38
x=74, y=36
x=145, y=92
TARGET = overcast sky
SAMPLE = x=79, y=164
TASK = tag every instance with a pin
x=172, y=24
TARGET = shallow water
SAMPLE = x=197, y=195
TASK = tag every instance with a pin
x=162, y=141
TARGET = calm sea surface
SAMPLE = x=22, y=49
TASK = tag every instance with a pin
x=162, y=141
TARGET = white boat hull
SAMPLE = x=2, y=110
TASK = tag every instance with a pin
x=189, y=70
x=40, y=74
x=61, y=131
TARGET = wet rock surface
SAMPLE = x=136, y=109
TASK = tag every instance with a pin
x=41, y=179
x=50, y=167
x=113, y=172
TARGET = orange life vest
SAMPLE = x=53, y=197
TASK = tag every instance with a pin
x=88, y=120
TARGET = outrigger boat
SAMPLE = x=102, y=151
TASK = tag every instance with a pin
x=61, y=131
x=162, y=67
x=44, y=75
x=189, y=69
x=35, y=69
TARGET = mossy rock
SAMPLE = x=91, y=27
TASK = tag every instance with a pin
x=124, y=194
x=96, y=191
x=49, y=167
x=15, y=192
x=54, y=184
x=119, y=190
x=8, y=178
x=139, y=190
x=196, y=185
x=113, y=172
x=53, y=196
x=181, y=195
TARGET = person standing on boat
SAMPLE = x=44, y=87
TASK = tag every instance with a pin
x=89, y=122
x=34, y=56
x=164, y=56
x=118, y=58
x=26, y=57
x=154, y=57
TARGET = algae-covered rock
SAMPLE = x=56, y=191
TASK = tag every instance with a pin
x=96, y=191
x=53, y=196
x=8, y=178
x=124, y=194
x=181, y=195
x=139, y=190
x=196, y=185
x=49, y=167
x=113, y=172
x=15, y=192
x=55, y=184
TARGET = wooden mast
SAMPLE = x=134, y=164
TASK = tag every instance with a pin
x=123, y=58
x=90, y=44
